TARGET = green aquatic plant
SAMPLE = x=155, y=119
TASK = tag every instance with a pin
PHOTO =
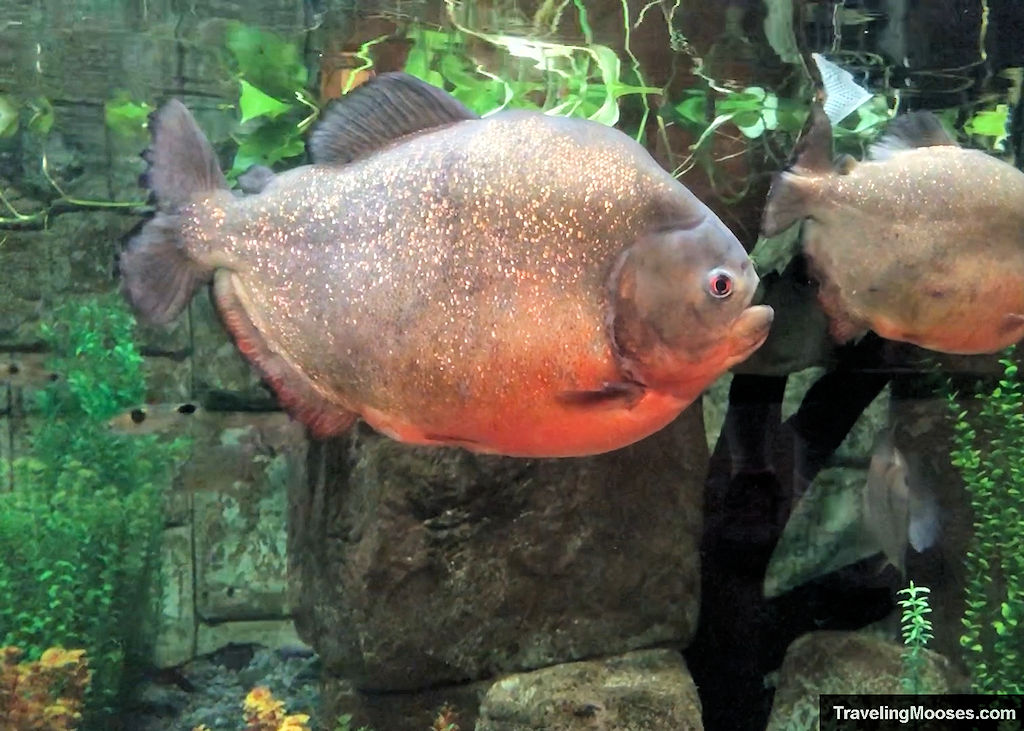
x=991, y=124
x=8, y=116
x=80, y=530
x=917, y=631
x=753, y=111
x=573, y=80
x=988, y=450
x=125, y=117
x=274, y=107
x=344, y=723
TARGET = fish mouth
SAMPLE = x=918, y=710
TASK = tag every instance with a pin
x=750, y=330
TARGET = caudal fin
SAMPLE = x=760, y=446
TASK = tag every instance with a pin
x=159, y=276
x=181, y=161
x=787, y=199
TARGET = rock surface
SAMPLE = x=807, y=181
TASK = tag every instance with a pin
x=224, y=558
x=847, y=663
x=209, y=690
x=412, y=711
x=649, y=690
x=413, y=567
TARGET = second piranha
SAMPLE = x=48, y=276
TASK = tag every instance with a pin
x=923, y=244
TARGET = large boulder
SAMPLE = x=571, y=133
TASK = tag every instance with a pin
x=412, y=567
x=648, y=690
x=830, y=662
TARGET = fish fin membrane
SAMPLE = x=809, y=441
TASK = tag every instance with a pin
x=158, y=278
x=908, y=131
x=814, y=151
x=256, y=179
x=1012, y=325
x=844, y=330
x=923, y=531
x=786, y=200
x=785, y=206
x=181, y=161
x=293, y=389
x=617, y=395
x=374, y=115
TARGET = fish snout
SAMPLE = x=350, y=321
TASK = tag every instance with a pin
x=750, y=331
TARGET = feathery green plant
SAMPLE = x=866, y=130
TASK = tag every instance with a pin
x=80, y=531
x=917, y=631
x=988, y=450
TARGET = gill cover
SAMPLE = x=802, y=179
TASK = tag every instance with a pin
x=675, y=297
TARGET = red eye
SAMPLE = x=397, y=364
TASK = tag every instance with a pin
x=719, y=284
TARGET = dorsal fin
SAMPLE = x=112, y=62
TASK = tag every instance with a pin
x=379, y=112
x=916, y=129
x=814, y=150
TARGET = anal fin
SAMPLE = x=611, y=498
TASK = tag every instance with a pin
x=293, y=389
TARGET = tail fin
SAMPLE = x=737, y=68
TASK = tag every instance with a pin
x=159, y=276
x=787, y=202
x=181, y=161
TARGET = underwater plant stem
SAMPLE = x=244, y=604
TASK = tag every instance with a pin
x=635, y=63
x=363, y=54
x=82, y=201
x=303, y=97
x=17, y=216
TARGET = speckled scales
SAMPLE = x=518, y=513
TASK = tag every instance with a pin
x=467, y=265
x=927, y=246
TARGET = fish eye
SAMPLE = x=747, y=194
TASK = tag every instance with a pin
x=719, y=283
x=187, y=409
x=138, y=416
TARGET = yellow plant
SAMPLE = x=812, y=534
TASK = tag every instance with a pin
x=45, y=695
x=263, y=712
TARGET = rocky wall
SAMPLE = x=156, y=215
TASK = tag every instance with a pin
x=70, y=196
x=224, y=556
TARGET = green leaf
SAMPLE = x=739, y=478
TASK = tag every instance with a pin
x=267, y=61
x=8, y=116
x=274, y=140
x=41, y=121
x=990, y=123
x=426, y=44
x=125, y=117
x=254, y=103
x=693, y=109
x=610, y=68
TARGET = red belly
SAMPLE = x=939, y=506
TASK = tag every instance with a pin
x=547, y=429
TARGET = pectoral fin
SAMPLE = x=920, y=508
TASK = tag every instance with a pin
x=613, y=395
x=844, y=330
x=1013, y=323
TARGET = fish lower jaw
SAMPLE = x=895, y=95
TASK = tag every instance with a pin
x=748, y=333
